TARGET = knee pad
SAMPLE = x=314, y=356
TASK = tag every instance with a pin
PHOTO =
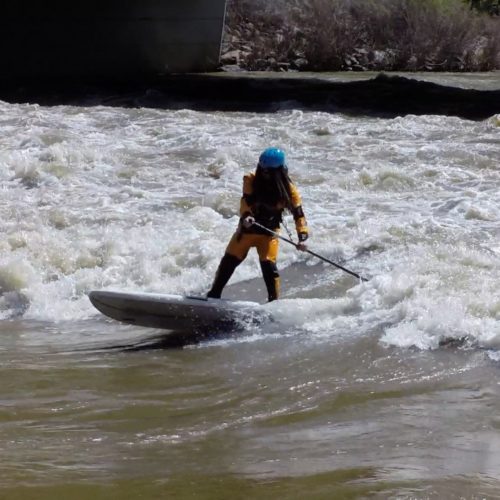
x=269, y=269
x=271, y=279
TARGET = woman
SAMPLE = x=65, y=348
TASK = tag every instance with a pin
x=266, y=194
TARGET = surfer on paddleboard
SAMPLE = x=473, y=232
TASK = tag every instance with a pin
x=266, y=194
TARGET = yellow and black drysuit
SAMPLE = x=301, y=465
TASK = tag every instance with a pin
x=267, y=245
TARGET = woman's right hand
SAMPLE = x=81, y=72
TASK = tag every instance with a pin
x=248, y=221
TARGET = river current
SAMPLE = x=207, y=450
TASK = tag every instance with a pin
x=387, y=388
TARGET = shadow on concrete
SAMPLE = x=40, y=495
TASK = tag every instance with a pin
x=383, y=96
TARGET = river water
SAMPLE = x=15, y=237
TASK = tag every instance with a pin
x=383, y=389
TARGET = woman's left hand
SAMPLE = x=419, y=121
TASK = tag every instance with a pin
x=301, y=244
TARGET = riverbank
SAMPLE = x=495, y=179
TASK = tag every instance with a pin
x=355, y=35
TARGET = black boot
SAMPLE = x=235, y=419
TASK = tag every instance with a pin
x=271, y=279
x=225, y=270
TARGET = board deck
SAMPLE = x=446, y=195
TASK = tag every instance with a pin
x=176, y=312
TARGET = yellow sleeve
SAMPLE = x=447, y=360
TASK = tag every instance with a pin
x=297, y=212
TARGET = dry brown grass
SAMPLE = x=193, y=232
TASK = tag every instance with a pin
x=333, y=35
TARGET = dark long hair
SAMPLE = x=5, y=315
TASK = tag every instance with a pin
x=273, y=189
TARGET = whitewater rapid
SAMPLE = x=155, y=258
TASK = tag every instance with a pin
x=146, y=200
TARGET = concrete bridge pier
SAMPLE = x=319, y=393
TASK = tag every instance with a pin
x=108, y=39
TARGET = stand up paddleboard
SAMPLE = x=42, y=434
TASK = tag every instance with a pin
x=176, y=312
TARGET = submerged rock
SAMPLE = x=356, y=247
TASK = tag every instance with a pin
x=384, y=95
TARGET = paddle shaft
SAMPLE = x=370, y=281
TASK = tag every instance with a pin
x=277, y=235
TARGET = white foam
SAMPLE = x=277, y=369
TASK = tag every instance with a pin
x=139, y=199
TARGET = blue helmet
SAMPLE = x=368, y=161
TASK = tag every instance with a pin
x=272, y=158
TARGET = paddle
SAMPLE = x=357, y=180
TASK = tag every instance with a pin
x=277, y=235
